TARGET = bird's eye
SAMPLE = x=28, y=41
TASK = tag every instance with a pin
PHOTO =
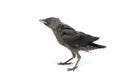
x=48, y=23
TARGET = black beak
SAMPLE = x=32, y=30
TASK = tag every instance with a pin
x=43, y=21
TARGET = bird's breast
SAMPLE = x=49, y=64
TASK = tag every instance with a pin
x=58, y=37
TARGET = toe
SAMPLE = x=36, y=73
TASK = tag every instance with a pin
x=60, y=63
x=72, y=69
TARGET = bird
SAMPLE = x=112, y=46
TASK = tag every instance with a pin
x=73, y=40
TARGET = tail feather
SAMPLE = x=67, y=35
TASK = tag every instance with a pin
x=97, y=45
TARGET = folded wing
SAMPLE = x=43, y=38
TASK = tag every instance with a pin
x=77, y=39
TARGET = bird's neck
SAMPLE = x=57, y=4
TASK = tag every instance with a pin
x=55, y=27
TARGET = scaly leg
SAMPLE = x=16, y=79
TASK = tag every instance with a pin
x=79, y=57
x=66, y=62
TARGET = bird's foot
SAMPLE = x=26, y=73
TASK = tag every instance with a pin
x=72, y=69
x=64, y=63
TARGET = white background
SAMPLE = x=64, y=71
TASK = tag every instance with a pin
x=29, y=50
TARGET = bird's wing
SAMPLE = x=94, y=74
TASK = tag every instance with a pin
x=76, y=39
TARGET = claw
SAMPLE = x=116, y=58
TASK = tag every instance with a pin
x=60, y=63
x=72, y=69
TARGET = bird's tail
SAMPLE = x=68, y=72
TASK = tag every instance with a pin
x=97, y=45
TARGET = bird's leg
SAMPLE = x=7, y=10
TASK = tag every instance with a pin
x=79, y=57
x=66, y=62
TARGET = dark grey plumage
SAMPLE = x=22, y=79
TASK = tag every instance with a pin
x=72, y=39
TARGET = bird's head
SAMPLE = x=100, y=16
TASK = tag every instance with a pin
x=51, y=22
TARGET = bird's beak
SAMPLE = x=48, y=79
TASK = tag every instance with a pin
x=43, y=21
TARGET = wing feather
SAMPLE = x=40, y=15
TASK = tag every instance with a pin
x=77, y=39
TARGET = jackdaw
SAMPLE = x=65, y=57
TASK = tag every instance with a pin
x=71, y=39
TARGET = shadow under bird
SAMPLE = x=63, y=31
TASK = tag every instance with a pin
x=71, y=39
